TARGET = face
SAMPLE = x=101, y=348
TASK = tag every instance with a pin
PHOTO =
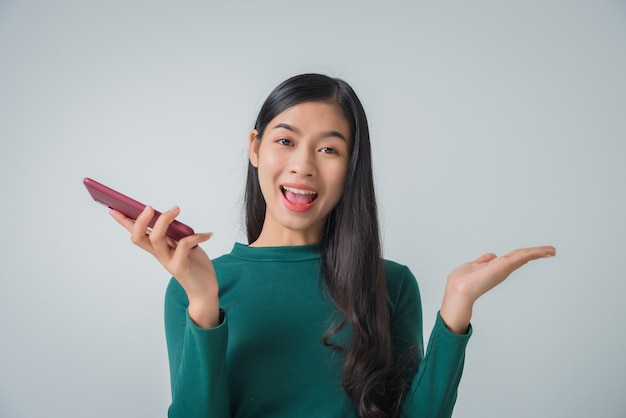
x=302, y=160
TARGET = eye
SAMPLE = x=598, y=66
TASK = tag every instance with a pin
x=284, y=141
x=328, y=150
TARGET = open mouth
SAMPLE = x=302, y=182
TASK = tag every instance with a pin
x=298, y=197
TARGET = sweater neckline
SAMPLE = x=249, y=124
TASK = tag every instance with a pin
x=282, y=253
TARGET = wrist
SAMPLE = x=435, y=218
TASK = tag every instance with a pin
x=204, y=313
x=456, y=311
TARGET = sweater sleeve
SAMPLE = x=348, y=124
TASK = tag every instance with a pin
x=434, y=387
x=197, y=359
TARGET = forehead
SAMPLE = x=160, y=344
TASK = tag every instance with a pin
x=313, y=117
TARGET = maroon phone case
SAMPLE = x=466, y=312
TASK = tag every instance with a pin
x=131, y=208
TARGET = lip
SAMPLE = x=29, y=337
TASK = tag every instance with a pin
x=299, y=186
x=293, y=207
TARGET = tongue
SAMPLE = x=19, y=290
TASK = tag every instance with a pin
x=299, y=199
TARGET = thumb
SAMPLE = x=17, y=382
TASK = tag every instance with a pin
x=485, y=258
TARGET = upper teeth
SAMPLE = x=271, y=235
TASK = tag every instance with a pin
x=297, y=191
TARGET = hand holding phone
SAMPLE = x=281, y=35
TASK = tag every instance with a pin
x=188, y=263
x=131, y=208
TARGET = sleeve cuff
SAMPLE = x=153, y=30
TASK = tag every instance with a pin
x=220, y=328
x=441, y=326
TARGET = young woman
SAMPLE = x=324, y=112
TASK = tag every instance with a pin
x=308, y=319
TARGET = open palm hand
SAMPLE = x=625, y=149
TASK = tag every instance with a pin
x=471, y=280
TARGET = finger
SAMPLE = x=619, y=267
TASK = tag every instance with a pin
x=543, y=249
x=164, y=220
x=160, y=242
x=518, y=258
x=139, y=233
x=171, y=242
x=192, y=241
x=186, y=248
x=485, y=258
x=547, y=250
x=524, y=255
x=195, y=239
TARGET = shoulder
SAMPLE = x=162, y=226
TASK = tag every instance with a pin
x=401, y=284
x=223, y=259
x=405, y=303
x=396, y=270
x=229, y=267
x=398, y=276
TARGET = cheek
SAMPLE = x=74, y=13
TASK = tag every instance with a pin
x=268, y=171
x=268, y=160
x=338, y=180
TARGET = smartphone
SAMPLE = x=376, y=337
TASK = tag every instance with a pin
x=131, y=208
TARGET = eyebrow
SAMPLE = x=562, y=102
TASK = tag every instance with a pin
x=297, y=132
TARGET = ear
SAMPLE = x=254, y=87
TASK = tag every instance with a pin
x=253, y=148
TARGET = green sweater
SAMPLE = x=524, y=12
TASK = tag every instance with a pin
x=266, y=358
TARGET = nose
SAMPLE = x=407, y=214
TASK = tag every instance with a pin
x=302, y=162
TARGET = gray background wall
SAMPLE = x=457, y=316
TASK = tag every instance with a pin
x=495, y=125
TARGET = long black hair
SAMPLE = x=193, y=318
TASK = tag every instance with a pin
x=352, y=264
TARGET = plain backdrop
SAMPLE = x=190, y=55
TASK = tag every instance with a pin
x=495, y=125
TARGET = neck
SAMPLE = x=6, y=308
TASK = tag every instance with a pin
x=281, y=237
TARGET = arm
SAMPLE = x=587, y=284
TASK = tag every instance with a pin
x=435, y=376
x=434, y=388
x=197, y=358
x=433, y=391
x=196, y=336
